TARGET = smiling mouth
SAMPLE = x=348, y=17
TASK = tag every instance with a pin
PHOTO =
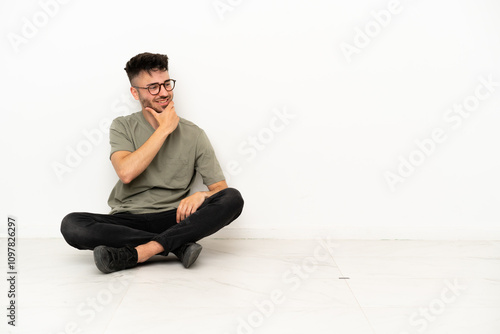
x=163, y=101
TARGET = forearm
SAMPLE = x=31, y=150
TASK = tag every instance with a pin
x=133, y=164
x=191, y=203
x=214, y=188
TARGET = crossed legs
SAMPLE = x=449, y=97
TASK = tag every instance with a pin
x=152, y=233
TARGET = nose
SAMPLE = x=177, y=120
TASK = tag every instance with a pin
x=162, y=87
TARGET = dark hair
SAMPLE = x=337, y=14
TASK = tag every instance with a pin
x=146, y=62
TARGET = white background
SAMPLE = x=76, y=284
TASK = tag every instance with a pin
x=354, y=117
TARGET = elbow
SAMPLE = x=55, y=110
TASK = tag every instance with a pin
x=125, y=180
x=122, y=168
x=125, y=177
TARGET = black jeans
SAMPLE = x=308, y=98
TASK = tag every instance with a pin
x=85, y=230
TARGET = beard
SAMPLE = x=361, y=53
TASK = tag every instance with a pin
x=148, y=103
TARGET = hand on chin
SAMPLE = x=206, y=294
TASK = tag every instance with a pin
x=159, y=110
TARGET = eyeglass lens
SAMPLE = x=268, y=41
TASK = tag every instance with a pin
x=155, y=89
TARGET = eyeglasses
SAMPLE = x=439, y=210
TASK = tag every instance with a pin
x=154, y=89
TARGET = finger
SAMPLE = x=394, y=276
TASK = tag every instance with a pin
x=169, y=106
x=182, y=214
x=152, y=112
x=181, y=217
x=190, y=211
x=179, y=212
x=187, y=211
x=172, y=107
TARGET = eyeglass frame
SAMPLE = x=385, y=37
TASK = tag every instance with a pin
x=157, y=83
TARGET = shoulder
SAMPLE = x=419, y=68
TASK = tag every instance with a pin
x=126, y=122
x=128, y=119
x=189, y=126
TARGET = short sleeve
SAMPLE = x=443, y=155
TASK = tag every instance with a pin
x=119, y=138
x=206, y=162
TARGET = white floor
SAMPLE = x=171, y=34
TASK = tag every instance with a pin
x=264, y=286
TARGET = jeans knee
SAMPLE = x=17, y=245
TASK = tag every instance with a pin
x=236, y=199
x=68, y=226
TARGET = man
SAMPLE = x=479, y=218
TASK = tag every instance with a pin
x=156, y=155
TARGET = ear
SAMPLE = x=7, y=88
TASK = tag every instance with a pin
x=135, y=93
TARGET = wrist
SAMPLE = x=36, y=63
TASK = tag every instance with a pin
x=164, y=131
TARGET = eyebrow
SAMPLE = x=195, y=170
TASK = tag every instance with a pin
x=157, y=83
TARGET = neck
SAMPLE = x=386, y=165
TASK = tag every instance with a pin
x=150, y=118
